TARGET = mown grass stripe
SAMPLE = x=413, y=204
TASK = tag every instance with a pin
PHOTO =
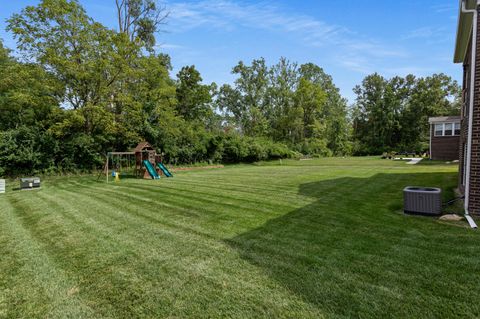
x=38, y=271
x=200, y=204
x=102, y=302
x=209, y=251
x=143, y=209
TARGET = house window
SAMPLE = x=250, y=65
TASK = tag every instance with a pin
x=457, y=129
x=448, y=129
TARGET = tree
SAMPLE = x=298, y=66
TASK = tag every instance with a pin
x=4, y=54
x=310, y=98
x=284, y=118
x=193, y=98
x=154, y=93
x=83, y=54
x=28, y=94
x=371, y=124
x=337, y=128
x=82, y=90
x=247, y=101
x=140, y=20
x=393, y=114
x=435, y=95
x=289, y=104
x=229, y=100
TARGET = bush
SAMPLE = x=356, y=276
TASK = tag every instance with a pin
x=314, y=147
x=237, y=148
x=26, y=150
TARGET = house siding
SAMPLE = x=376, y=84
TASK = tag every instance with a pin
x=474, y=193
x=445, y=148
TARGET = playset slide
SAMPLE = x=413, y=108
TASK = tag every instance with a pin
x=151, y=170
x=164, y=170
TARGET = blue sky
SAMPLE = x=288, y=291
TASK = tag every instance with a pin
x=349, y=39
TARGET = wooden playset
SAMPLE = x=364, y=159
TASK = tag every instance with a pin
x=148, y=164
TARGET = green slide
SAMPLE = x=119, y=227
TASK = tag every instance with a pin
x=151, y=170
x=164, y=170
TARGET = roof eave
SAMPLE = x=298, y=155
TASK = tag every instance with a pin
x=441, y=119
x=464, y=30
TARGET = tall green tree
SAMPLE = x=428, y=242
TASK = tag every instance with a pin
x=248, y=100
x=392, y=114
x=4, y=53
x=310, y=98
x=435, y=95
x=83, y=54
x=372, y=124
x=335, y=109
x=194, y=99
x=28, y=93
x=282, y=113
x=288, y=103
x=140, y=20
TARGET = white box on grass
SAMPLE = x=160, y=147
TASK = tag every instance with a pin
x=2, y=186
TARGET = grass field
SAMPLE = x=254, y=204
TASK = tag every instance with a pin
x=306, y=239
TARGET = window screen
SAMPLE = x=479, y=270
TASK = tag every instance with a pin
x=457, y=128
x=448, y=129
x=438, y=129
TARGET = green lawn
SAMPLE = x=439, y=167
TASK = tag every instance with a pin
x=305, y=239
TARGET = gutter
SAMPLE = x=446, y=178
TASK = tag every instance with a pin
x=470, y=220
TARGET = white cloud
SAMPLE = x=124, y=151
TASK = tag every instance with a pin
x=187, y=16
x=356, y=63
x=441, y=8
x=349, y=49
x=403, y=71
x=375, y=49
x=426, y=33
x=169, y=46
x=229, y=15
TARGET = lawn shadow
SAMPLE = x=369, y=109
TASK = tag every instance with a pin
x=351, y=254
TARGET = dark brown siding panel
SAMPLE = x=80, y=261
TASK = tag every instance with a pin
x=445, y=148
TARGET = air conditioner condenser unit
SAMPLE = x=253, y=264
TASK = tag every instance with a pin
x=422, y=200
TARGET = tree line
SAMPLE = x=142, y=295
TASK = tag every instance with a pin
x=392, y=114
x=76, y=89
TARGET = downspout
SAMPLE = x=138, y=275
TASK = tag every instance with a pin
x=470, y=107
x=432, y=133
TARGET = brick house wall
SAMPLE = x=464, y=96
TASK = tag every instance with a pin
x=474, y=198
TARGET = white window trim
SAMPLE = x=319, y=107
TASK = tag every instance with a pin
x=443, y=129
